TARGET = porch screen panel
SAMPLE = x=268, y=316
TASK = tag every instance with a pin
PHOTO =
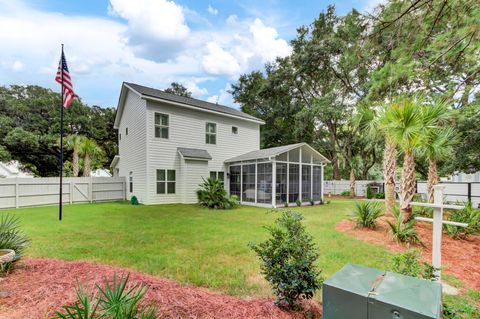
x=317, y=182
x=281, y=179
x=264, y=183
x=248, y=177
x=293, y=181
x=235, y=178
x=306, y=183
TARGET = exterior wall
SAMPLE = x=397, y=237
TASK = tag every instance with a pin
x=187, y=129
x=132, y=147
x=196, y=170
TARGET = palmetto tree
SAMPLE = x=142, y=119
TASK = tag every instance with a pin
x=90, y=150
x=74, y=143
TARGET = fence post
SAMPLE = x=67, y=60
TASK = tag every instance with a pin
x=70, y=195
x=90, y=189
x=17, y=195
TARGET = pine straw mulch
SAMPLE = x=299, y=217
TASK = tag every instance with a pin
x=460, y=258
x=38, y=287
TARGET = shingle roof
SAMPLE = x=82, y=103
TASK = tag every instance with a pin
x=270, y=152
x=194, y=153
x=150, y=92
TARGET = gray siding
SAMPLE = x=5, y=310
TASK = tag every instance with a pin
x=132, y=147
x=187, y=129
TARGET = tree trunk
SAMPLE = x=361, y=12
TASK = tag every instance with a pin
x=389, y=169
x=336, y=169
x=86, y=166
x=75, y=165
x=432, y=178
x=352, y=183
x=407, y=185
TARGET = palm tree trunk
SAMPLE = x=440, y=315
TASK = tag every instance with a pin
x=407, y=185
x=75, y=165
x=86, y=165
x=352, y=183
x=389, y=169
x=432, y=178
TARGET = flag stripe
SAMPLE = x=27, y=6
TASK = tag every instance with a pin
x=65, y=81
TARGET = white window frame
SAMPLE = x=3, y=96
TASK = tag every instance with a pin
x=207, y=133
x=155, y=125
x=166, y=181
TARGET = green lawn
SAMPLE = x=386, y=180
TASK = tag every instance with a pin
x=188, y=243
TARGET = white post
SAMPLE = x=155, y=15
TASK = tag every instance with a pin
x=90, y=188
x=288, y=178
x=300, y=177
x=17, y=195
x=256, y=175
x=274, y=184
x=70, y=190
x=321, y=182
x=437, y=229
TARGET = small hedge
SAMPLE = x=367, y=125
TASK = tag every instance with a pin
x=212, y=194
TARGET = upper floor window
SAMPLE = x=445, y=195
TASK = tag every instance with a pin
x=234, y=130
x=211, y=133
x=166, y=181
x=161, y=125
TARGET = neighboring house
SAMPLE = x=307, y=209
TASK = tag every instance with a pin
x=464, y=177
x=168, y=144
x=101, y=172
x=13, y=169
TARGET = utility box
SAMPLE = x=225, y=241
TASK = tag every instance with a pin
x=358, y=292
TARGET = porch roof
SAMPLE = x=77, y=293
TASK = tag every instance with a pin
x=194, y=153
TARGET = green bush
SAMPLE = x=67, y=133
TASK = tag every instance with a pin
x=312, y=202
x=134, y=200
x=380, y=195
x=345, y=193
x=468, y=215
x=403, y=232
x=285, y=204
x=370, y=194
x=288, y=260
x=116, y=301
x=12, y=237
x=408, y=263
x=212, y=194
x=298, y=202
x=366, y=213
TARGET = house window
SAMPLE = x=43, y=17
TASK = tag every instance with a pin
x=217, y=175
x=248, y=183
x=166, y=181
x=293, y=181
x=211, y=133
x=264, y=183
x=161, y=125
x=130, y=182
x=126, y=131
x=235, y=180
x=234, y=130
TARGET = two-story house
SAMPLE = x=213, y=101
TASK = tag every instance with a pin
x=168, y=144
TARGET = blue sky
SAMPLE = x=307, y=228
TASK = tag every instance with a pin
x=204, y=45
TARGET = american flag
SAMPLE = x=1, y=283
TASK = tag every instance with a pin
x=68, y=93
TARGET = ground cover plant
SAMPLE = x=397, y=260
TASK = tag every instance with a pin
x=468, y=215
x=366, y=213
x=403, y=232
x=12, y=237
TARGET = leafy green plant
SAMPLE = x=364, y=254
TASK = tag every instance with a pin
x=403, y=232
x=409, y=264
x=468, y=215
x=134, y=200
x=12, y=237
x=212, y=194
x=370, y=194
x=288, y=260
x=285, y=205
x=116, y=301
x=298, y=202
x=312, y=202
x=380, y=195
x=345, y=193
x=366, y=214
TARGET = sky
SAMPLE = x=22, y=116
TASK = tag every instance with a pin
x=205, y=45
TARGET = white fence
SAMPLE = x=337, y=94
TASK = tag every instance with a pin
x=454, y=191
x=23, y=192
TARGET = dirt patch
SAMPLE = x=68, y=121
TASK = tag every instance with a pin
x=460, y=258
x=40, y=286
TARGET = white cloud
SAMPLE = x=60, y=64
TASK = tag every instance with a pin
x=212, y=10
x=223, y=97
x=217, y=61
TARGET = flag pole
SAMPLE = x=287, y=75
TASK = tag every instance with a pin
x=61, y=142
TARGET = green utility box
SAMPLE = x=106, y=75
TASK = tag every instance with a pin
x=358, y=292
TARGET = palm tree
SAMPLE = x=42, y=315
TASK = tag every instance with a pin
x=403, y=124
x=90, y=150
x=74, y=143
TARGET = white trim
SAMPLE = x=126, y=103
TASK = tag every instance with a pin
x=274, y=184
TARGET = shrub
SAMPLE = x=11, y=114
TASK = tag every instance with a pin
x=312, y=202
x=370, y=194
x=468, y=215
x=408, y=263
x=285, y=204
x=12, y=237
x=366, y=214
x=380, y=195
x=298, y=202
x=287, y=260
x=403, y=232
x=134, y=200
x=212, y=194
x=116, y=301
x=345, y=193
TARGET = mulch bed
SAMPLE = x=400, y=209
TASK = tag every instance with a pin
x=460, y=258
x=38, y=287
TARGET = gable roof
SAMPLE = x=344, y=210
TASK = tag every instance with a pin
x=273, y=151
x=155, y=94
x=194, y=153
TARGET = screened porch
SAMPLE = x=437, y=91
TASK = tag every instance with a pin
x=275, y=176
